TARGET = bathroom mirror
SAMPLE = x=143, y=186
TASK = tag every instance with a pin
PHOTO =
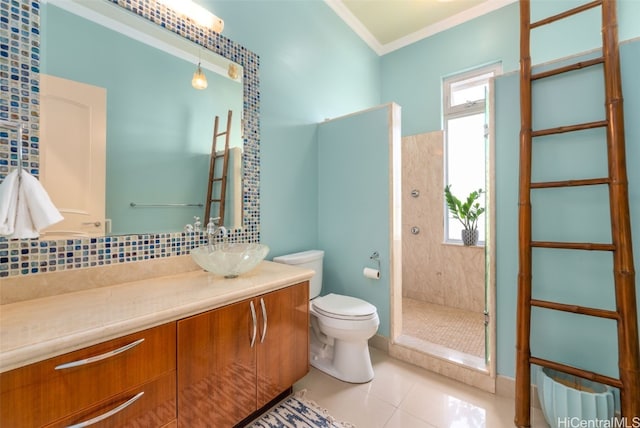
x=159, y=129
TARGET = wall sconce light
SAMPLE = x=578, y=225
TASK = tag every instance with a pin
x=195, y=12
x=199, y=80
x=232, y=71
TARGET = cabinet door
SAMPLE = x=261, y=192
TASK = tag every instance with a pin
x=283, y=351
x=216, y=367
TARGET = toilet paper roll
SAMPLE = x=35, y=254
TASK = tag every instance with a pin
x=371, y=273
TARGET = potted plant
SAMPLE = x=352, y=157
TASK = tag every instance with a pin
x=466, y=213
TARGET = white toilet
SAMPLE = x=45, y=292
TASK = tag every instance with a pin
x=340, y=325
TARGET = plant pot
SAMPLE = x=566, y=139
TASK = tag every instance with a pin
x=567, y=399
x=469, y=237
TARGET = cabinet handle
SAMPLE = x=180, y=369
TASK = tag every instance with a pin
x=109, y=413
x=94, y=223
x=255, y=323
x=264, y=320
x=99, y=357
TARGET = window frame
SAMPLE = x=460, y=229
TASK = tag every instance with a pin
x=470, y=108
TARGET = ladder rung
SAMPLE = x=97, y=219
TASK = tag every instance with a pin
x=600, y=313
x=586, y=374
x=574, y=246
x=570, y=183
x=566, y=14
x=571, y=128
x=567, y=68
x=220, y=134
x=217, y=179
x=216, y=200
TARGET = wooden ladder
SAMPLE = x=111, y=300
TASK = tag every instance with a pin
x=222, y=179
x=621, y=245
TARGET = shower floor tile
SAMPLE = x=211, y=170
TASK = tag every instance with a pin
x=449, y=327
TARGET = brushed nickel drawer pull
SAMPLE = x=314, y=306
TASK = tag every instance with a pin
x=99, y=357
x=108, y=414
x=255, y=323
x=264, y=320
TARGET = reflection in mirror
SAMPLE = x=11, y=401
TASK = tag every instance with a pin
x=158, y=130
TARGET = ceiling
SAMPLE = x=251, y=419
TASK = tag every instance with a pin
x=387, y=25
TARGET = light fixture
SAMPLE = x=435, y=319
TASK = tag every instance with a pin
x=199, y=80
x=195, y=12
x=232, y=71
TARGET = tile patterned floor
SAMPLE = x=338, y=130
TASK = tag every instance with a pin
x=405, y=396
x=450, y=327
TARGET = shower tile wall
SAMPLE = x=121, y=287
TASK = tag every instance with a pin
x=445, y=274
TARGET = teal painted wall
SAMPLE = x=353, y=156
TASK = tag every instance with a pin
x=412, y=77
x=159, y=129
x=353, y=198
x=581, y=214
x=312, y=67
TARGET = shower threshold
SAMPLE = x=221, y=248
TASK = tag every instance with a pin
x=442, y=352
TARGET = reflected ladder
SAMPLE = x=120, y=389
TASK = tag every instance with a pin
x=222, y=178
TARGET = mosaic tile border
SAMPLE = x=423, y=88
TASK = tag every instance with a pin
x=32, y=256
x=19, y=83
x=19, y=101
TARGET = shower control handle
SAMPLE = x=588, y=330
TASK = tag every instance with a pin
x=415, y=230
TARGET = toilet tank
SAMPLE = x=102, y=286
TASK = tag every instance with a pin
x=311, y=259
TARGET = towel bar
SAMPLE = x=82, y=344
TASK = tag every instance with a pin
x=136, y=205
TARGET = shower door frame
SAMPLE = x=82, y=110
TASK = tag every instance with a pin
x=465, y=374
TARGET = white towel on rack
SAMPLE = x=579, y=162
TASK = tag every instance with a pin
x=34, y=210
x=24, y=228
x=8, y=203
x=43, y=212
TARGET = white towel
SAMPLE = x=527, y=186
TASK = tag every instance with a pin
x=34, y=210
x=43, y=212
x=8, y=203
x=24, y=228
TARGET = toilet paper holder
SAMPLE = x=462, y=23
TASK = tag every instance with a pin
x=376, y=258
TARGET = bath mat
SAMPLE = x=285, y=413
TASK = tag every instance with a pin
x=296, y=411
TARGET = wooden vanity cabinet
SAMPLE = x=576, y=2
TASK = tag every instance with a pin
x=235, y=359
x=216, y=367
x=83, y=384
x=283, y=354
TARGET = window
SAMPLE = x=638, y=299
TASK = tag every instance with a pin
x=465, y=116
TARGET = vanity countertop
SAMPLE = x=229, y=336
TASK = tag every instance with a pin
x=34, y=330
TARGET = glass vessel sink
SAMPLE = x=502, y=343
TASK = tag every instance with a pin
x=229, y=260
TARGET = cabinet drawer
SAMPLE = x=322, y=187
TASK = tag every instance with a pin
x=151, y=405
x=39, y=394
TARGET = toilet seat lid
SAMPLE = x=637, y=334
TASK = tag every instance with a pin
x=345, y=307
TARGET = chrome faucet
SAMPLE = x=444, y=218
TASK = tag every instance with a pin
x=213, y=230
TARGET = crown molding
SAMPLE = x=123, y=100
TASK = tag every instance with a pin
x=352, y=21
x=356, y=25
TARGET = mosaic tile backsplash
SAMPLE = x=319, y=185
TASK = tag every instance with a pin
x=19, y=102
